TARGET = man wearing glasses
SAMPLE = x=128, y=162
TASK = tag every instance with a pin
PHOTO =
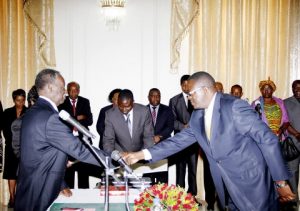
x=243, y=153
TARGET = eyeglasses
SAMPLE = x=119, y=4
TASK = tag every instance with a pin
x=195, y=90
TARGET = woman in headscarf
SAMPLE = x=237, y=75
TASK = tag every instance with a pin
x=272, y=109
x=273, y=112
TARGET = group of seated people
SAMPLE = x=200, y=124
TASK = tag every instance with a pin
x=127, y=126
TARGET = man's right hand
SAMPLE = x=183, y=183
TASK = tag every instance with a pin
x=66, y=192
x=133, y=157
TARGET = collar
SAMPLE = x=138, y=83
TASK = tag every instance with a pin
x=49, y=101
x=71, y=101
x=210, y=107
x=151, y=107
x=130, y=114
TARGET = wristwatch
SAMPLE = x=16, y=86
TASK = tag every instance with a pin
x=280, y=185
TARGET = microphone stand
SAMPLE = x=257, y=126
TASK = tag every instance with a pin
x=126, y=191
x=108, y=171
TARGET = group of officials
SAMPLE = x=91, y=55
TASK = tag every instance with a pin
x=242, y=153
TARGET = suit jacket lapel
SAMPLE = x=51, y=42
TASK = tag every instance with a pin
x=198, y=121
x=215, y=118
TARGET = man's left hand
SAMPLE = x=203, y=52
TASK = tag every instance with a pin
x=285, y=193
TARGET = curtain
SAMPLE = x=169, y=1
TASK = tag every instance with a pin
x=183, y=15
x=26, y=43
x=244, y=42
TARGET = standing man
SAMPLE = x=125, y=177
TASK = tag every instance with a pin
x=182, y=110
x=292, y=105
x=79, y=108
x=46, y=142
x=163, y=123
x=244, y=155
x=162, y=116
x=128, y=127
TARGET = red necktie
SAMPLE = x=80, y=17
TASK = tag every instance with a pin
x=154, y=115
x=74, y=111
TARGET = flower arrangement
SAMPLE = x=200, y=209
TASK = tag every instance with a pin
x=171, y=197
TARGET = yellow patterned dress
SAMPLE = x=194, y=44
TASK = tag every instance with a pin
x=273, y=115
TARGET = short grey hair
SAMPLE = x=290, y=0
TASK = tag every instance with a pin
x=44, y=77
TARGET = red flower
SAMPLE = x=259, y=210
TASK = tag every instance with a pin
x=187, y=206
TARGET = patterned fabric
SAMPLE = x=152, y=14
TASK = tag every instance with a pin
x=273, y=114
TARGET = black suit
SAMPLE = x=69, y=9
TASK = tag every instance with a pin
x=82, y=108
x=189, y=156
x=101, y=123
x=46, y=141
x=163, y=127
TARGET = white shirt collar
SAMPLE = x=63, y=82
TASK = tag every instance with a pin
x=210, y=107
x=130, y=115
x=151, y=107
x=72, y=100
x=50, y=101
x=185, y=96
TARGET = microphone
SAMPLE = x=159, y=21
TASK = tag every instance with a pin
x=115, y=155
x=257, y=107
x=67, y=117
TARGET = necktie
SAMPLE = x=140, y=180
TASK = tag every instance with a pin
x=74, y=107
x=74, y=111
x=153, y=115
x=190, y=107
x=129, y=124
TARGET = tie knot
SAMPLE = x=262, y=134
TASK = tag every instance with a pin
x=73, y=101
x=154, y=107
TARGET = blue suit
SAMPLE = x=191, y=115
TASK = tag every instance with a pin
x=243, y=153
x=46, y=142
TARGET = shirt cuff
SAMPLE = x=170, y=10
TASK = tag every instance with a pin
x=147, y=154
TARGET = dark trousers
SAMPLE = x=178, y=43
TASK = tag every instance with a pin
x=186, y=158
x=84, y=170
x=210, y=191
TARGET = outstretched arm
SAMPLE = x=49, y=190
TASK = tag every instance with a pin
x=133, y=157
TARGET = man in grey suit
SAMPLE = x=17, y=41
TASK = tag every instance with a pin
x=46, y=142
x=292, y=105
x=128, y=127
x=244, y=155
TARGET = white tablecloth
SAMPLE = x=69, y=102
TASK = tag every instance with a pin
x=94, y=196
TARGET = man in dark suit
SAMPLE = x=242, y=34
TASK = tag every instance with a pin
x=244, y=155
x=128, y=127
x=46, y=142
x=113, y=98
x=79, y=108
x=163, y=122
x=292, y=105
x=182, y=110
